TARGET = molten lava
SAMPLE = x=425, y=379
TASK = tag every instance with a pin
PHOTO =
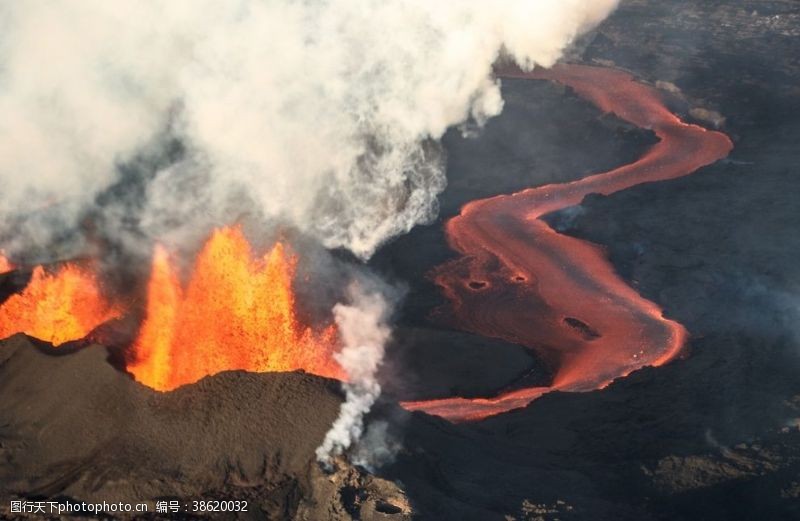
x=57, y=307
x=556, y=294
x=236, y=312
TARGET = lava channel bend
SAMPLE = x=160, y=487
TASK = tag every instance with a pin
x=519, y=280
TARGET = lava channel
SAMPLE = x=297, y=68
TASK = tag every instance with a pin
x=521, y=281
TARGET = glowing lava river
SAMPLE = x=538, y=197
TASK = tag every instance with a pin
x=521, y=281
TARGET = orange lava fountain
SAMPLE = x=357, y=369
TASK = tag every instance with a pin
x=57, y=307
x=236, y=312
x=521, y=281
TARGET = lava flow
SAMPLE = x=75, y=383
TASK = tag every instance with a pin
x=521, y=281
x=57, y=307
x=236, y=312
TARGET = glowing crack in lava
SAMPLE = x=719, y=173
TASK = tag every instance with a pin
x=236, y=312
x=57, y=307
x=521, y=281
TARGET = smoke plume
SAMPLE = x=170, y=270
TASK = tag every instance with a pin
x=323, y=114
x=364, y=332
x=320, y=115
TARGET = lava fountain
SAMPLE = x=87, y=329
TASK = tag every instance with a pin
x=521, y=281
x=57, y=307
x=236, y=312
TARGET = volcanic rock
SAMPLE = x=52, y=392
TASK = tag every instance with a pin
x=72, y=426
x=424, y=363
x=351, y=493
x=709, y=437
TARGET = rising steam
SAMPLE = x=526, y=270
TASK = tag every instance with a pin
x=364, y=332
x=322, y=113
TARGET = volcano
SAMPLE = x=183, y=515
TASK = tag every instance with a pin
x=601, y=323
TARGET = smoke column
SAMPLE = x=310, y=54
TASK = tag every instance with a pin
x=322, y=114
x=364, y=332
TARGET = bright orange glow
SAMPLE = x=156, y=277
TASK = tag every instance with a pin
x=57, y=307
x=5, y=264
x=236, y=312
x=556, y=294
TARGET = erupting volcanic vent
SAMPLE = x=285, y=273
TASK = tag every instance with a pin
x=236, y=312
x=57, y=307
x=556, y=294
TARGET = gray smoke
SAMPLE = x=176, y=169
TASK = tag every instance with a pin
x=323, y=114
x=377, y=447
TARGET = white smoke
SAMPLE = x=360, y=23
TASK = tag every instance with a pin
x=364, y=332
x=320, y=113
x=324, y=114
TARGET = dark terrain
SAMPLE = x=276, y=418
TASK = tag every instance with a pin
x=714, y=436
